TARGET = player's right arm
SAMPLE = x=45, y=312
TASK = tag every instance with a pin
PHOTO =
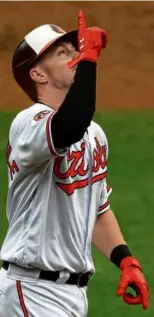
x=75, y=114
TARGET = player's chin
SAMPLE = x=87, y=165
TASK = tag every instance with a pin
x=71, y=78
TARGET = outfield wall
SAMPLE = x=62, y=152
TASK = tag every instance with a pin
x=126, y=67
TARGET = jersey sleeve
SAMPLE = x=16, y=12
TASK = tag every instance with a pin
x=34, y=139
x=104, y=204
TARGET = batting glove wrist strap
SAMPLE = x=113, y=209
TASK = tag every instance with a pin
x=130, y=261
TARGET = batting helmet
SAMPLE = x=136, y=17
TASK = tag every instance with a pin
x=31, y=48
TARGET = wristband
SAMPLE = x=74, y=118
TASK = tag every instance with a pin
x=119, y=253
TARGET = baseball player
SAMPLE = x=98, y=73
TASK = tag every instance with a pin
x=58, y=197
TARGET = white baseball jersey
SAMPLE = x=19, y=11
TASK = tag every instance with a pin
x=54, y=195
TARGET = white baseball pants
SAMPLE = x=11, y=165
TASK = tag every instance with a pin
x=24, y=296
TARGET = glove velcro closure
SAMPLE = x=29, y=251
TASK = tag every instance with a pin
x=130, y=261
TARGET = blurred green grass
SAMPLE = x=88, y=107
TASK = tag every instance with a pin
x=131, y=175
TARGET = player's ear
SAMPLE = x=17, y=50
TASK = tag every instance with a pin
x=38, y=75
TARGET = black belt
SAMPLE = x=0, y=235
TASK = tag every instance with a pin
x=80, y=279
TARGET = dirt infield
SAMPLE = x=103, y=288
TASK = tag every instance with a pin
x=126, y=67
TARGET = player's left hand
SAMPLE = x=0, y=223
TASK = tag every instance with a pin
x=132, y=276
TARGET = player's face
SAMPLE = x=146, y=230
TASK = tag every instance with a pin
x=55, y=65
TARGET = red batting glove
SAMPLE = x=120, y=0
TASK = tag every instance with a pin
x=90, y=42
x=132, y=276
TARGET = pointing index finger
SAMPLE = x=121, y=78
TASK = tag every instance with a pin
x=81, y=21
